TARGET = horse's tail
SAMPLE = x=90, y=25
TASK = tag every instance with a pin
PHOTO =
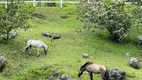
x=106, y=74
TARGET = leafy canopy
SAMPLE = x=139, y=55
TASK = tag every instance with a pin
x=106, y=16
x=16, y=14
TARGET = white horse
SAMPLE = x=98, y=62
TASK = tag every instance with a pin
x=36, y=43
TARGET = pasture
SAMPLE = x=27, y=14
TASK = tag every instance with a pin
x=65, y=54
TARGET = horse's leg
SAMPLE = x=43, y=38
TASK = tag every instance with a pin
x=29, y=48
x=45, y=51
x=103, y=75
x=38, y=53
x=26, y=48
x=104, y=78
x=1, y=70
x=91, y=75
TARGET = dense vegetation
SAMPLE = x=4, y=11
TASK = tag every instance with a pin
x=107, y=16
x=13, y=16
x=65, y=54
x=114, y=17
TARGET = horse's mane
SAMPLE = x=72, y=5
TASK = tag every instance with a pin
x=86, y=64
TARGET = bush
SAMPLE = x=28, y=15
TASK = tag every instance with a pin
x=43, y=73
x=50, y=4
x=137, y=13
x=16, y=14
x=107, y=16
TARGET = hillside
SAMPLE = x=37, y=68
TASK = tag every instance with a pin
x=65, y=54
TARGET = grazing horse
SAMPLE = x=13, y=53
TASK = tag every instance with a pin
x=91, y=68
x=36, y=43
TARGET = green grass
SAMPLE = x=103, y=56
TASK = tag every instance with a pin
x=67, y=51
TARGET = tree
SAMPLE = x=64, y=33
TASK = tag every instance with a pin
x=107, y=16
x=16, y=14
x=137, y=13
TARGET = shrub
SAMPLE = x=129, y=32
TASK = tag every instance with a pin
x=15, y=15
x=50, y=4
x=137, y=13
x=43, y=73
x=107, y=16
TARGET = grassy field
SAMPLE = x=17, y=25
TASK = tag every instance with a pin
x=65, y=54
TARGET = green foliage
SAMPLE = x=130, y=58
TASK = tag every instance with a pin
x=107, y=16
x=24, y=13
x=15, y=15
x=108, y=1
x=67, y=51
x=137, y=13
x=41, y=73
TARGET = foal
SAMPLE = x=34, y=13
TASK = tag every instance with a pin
x=91, y=68
x=36, y=43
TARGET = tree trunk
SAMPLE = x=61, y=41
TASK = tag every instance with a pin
x=7, y=35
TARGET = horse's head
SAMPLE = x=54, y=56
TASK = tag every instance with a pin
x=45, y=49
x=83, y=68
x=80, y=73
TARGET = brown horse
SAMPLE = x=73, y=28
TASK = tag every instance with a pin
x=91, y=68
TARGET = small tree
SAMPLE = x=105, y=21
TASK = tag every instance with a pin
x=16, y=14
x=107, y=16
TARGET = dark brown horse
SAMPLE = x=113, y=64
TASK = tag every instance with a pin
x=91, y=68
